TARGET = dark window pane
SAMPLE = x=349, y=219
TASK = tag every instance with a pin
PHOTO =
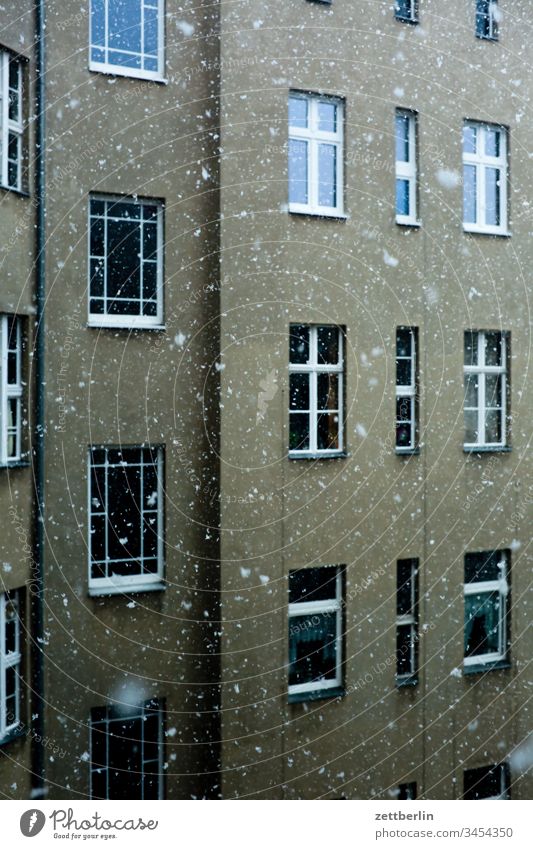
x=299, y=391
x=471, y=348
x=405, y=9
x=97, y=237
x=150, y=240
x=312, y=648
x=327, y=391
x=123, y=273
x=405, y=595
x=98, y=551
x=96, y=307
x=407, y=791
x=493, y=348
x=402, y=197
x=405, y=650
x=327, y=432
x=299, y=343
x=485, y=782
x=403, y=372
x=149, y=280
x=404, y=409
x=315, y=584
x=485, y=566
x=493, y=390
x=404, y=337
x=328, y=344
x=299, y=431
x=493, y=427
x=123, y=513
x=97, y=278
x=482, y=619
x=471, y=384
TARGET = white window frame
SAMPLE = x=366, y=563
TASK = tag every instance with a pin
x=410, y=619
x=314, y=368
x=409, y=391
x=314, y=137
x=129, y=321
x=501, y=586
x=492, y=34
x=9, y=661
x=9, y=126
x=10, y=392
x=482, y=161
x=413, y=15
x=482, y=370
x=334, y=607
x=408, y=170
x=107, y=67
x=127, y=583
x=109, y=721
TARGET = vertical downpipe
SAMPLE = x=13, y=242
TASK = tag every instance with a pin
x=37, y=600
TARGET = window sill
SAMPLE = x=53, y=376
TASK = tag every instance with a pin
x=310, y=213
x=94, y=325
x=95, y=592
x=341, y=455
x=315, y=695
x=478, y=668
x=405, y=222
x=132, y=73
x=406, y=20
x=486, y=231
x=13, y=735
x=407, y=452
x=493, y=38
x=487, y=449
x=16, y=464
x=406, y=681
x=20, y=192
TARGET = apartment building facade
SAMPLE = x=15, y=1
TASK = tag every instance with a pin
x=285, y=473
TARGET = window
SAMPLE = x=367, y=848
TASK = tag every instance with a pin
x=406, y=388
x=487, y=19
x=11, y=126
x=487, y=782
x=10, y=390
x=10, y=660
x=126, y=262
x=406, y=10
x=486, y=607
x=127, y=37
x=127, y=752
x=406, y=180
x=484, y=178
x=315, y=631
x=485, y=378
x=407, y=620
x=315, y=155
x=126, y=519
x=315, y=390
x=407, y=791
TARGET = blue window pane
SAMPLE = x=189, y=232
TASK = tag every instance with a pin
x=297, y=112
x=298, y=171
x=492, y=200
x=150, y=31
x=327, y=117
x=98, y=23
x=151, y=64
x=124, y=23
x=402, y=197
x=492, y=142
x=124, y=60
x=469, y=194
x=402, y=138
x=469, y=139
x=327, y=175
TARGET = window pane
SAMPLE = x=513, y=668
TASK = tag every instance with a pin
x=402, y=197
x=299, y=432
x=328, y=345
x=403, y=372
x=402, y=138
x=97, y=23
x=150, y=33
x=493, y=427
x=469, y=139
x=299, y=391
x=125, y=764
x=123, y=513
x=404, y=409
x=469, y=194
x=492, y=142
x=327, y=175
x=327, y=432
x=298, y=112
x=327, y=392
x=492, y=200
x=298, y=192
x=493, y=390
x=124, y=26
x=312, y=648
x=404, y=340
x=485, y=783
x=327, y=117
x=405, y=588
x=404, y=650
x=485, y=566
x=471, y=390
x=471, y=348
x=123, y=273
x=299, y=343
x=97, y=237
x=404, y=9
x=471, y=427
x=493, y=349
x=316, y=584
x=482, y=620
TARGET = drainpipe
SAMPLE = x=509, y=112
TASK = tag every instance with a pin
x=37, y=600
